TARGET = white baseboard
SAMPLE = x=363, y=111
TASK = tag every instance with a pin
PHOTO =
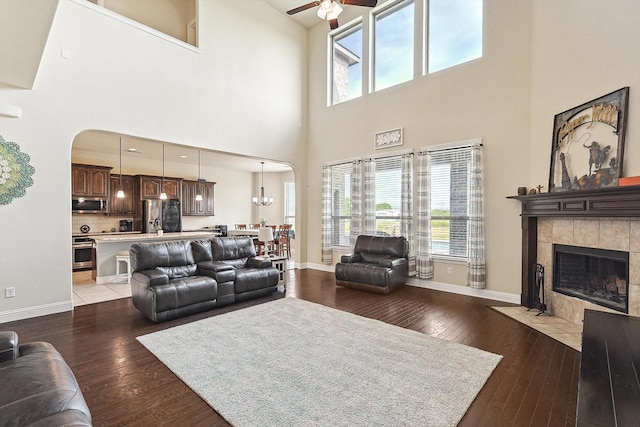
x=438, y=286
x=40, y=310
x=465, y=290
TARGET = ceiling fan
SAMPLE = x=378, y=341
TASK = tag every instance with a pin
x=330, y=9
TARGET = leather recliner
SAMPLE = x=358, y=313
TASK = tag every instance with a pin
x=377, y=264
x=37, y=387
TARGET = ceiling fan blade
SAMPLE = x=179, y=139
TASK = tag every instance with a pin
x=333, y=23
x=367, y=3
x=302, y=8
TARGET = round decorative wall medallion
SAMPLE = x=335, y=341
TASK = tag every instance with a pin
x=15, y=172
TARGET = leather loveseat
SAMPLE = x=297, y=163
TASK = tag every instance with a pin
x=177, y=278
x=37, y=387
x=377, y=264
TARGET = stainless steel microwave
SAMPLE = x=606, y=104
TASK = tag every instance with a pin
x=89, y=205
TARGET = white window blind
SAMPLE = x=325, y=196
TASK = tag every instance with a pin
x=388, y=192
x=340, y=203
x=449, y=201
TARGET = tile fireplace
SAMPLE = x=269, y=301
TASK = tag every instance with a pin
x=603, y=219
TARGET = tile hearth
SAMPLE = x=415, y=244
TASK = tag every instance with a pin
x=555, y=327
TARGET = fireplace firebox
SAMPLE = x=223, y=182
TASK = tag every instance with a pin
x=599, y=276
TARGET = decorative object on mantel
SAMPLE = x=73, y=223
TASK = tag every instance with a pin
x=15, y=172
x=522, y=191
x=588, y=144
x=533, y=191
x=388, y=138
x=629, y=180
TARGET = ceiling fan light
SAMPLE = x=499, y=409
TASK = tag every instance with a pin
x=325, y=8
x=334, y=11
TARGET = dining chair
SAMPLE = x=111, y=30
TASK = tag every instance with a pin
x=241, y=226
x=284, y=240
x=254, y=226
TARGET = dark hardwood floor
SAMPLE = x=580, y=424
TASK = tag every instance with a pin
x=535, y=384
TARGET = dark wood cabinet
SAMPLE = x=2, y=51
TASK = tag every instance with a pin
x=151, y=186
x=90, y=181
x=189, y=204
x=128, y=205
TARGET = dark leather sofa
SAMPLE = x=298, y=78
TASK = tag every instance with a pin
x=37, y=387
x=177, y=278
x=377, y=264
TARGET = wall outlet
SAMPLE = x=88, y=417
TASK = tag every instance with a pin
x=10, y=292
x=449, y=270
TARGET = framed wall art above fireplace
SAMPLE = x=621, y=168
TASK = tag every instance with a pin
x=588, y=144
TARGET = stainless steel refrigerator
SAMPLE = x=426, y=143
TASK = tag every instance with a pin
x=163, y=215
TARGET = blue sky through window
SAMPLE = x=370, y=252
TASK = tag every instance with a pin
x=394, y=46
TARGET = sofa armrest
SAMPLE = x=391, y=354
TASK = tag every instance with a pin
x=392, y=262
x=8, y=346
x=254, y=262
x=220, y=271
x=153, y=277
x=349, y=258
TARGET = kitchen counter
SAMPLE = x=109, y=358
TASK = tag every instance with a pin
x=146, y=237
x=107, y=245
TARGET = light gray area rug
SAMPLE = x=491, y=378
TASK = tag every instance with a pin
x=295, y=363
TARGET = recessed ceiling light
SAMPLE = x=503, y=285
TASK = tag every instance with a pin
x=132, y=150
x=183, y=156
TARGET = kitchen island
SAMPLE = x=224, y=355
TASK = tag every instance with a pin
x=107, y=246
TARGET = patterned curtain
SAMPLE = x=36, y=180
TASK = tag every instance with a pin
x=356, y=203
x=326, y=215
x=424, y=260
x=406, y=207
x=369, y=181
x=476, y=266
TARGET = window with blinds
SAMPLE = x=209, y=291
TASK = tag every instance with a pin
x=340, y=203
x=449, y=201
x=388, y=192
x=290, y=203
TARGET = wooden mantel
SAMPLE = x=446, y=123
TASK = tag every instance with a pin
x=607, y=202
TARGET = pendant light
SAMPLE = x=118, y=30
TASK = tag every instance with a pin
x=198, y=194
x=163, y=195
x=120, y=193
x=262, y=200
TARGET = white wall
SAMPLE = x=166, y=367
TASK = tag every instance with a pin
x=581, y=51
x=488, y=98
x=245, y=84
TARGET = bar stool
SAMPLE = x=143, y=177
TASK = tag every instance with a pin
x=123, y=256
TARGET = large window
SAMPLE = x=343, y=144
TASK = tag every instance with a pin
x=346, y=57
x=449, y=192
x=455, y=32
x=290, y=203
x=393, y=45
x=340, y=203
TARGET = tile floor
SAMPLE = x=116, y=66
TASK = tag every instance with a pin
x=86, y=291
x=559, y=329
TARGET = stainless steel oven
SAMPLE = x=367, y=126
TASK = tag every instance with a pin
x=82, y=248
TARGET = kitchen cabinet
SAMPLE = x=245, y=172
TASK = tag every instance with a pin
x=189, y=204
x=150, y=187
x=90, y=181
x=129, y=205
